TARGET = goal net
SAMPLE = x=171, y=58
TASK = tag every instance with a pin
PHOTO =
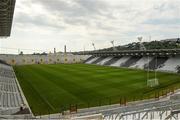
x=152, y=82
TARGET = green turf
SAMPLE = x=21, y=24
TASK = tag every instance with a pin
x=54, y=87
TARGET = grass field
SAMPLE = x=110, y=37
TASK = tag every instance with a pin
x=50, y=87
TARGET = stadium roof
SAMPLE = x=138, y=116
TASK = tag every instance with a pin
x=6, y=17
x=154, y=52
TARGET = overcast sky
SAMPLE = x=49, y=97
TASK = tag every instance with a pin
x=45, y=24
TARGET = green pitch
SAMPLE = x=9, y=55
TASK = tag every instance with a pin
x=52, y=88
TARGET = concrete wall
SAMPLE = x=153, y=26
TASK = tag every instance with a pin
x=43, y=59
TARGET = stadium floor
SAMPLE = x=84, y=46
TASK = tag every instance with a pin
x=53, y=88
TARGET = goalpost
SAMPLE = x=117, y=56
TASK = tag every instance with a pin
x=153, y=81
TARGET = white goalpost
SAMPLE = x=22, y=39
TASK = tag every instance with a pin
x=154, y=81
x=151, y=82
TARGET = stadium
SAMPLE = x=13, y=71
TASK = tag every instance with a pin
x=120, y=82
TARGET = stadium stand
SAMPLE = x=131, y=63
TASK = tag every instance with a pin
x=140, y=64
x=171, y=65
x=98, y=60
x=166, y=108
x=112, y=61
x=156, y=63
x=92, y=60
x=132, y=61
x=160, y=63
x=88, y=59
x=104, y=60
x=10, y=97
x=3, y=62
x=121, y=61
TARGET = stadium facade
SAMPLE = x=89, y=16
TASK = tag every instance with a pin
x=42, y=59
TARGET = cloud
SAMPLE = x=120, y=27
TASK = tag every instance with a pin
x=74, y=8
x=77, y=12
x=98, y=21
x=40, y=20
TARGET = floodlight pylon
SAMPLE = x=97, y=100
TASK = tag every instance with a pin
x=112, y=42
x=94, y=46
x=142, y=47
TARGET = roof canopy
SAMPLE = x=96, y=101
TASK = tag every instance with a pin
x=6, y=17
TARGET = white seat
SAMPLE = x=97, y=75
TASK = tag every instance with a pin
x=121, y=61
x=104, y=60
x=171, y=65
x=9, y=94
x=143, y=61
x=92, y=60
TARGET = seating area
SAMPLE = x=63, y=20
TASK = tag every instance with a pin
x=131, y=61
x=156, y=63
x=102, y=62
x=89, y=58
x=167, y=64
x=121, y=61
x=90, y=61
x=98, y=60
x=171, y=65
x=112, y=61
x=10, y=96
x=142, y=62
